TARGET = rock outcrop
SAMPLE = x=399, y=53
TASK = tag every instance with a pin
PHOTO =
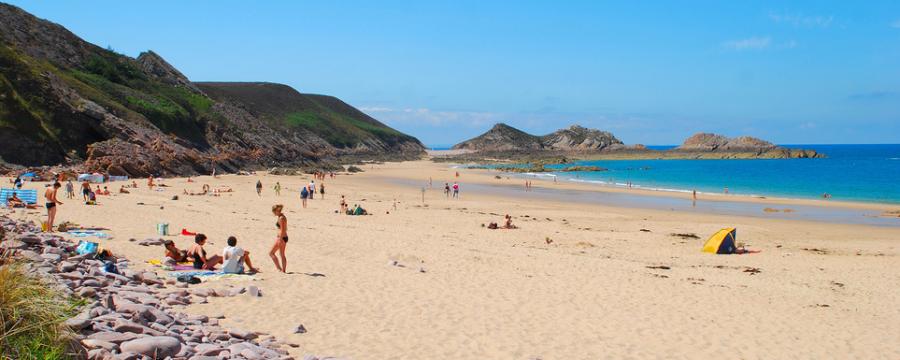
x=713, y=143
x=66, y=101
x=503, y=137
x=578, y=138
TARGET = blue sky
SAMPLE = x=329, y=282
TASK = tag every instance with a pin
x=650, y=72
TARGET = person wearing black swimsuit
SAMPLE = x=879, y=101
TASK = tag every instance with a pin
x=281, y=240
x=198, y=255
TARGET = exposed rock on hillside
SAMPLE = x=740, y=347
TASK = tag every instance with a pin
x=63, y=100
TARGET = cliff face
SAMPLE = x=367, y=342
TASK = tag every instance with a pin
x=63, y=100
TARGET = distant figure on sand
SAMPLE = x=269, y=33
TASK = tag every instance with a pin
x=322, y=190
x=447, y=190
x=235, y=258
x=508, y=223
x=344, y=206
x=123, y=191
x=70, y=190
x=150, y=182
x=312, y=189
x=304, y=194
x=694, y=197
x=277, y=188
x=52, y=201
x=198, y=254
x=455, y=190
x=280, y=240
x=258, y=188
x=85, y=189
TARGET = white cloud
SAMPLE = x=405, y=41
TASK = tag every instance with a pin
x=432, y=117
x=800, y=20
x=896, y=24
x=753, y=43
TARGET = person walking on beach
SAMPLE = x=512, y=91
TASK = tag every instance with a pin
x=312, y=189
x=455, y=190
x=304, y=194
x=277, y=188
x=322, y=190
x=85, y=189
x=446, y=190
x=70, y=190
x=18, y=183
x=694, y=197
x=281, y=240
x=258, y=188
x=52, y=201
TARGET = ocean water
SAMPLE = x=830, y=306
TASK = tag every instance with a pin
x=868, y=173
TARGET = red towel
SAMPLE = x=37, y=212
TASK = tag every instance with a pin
x=187, y=233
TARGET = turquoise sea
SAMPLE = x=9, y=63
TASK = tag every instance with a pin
x=868, y=173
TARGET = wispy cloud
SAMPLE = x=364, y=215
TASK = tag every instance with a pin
x=432, y=117
x=752, y=43
x=872, y=95
x=800, y=20
x=896, y=24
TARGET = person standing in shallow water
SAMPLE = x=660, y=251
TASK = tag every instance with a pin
x=281, y=240
x=52, y=201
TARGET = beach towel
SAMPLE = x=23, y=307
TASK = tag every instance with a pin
x=187, y=233
x=86, y=247
x=87, y=233
x=178, y=267
x=28, y=196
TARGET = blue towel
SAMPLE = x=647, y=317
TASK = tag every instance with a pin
x=28, y=196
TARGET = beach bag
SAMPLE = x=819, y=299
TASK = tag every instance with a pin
x=188, y=279
x=162, y=229
x=86, y=247
x=110, y=267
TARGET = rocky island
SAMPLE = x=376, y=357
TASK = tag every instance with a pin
x=506, y=143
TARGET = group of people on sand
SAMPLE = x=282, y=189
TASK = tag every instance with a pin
x=454, y=190
x=320, y=175
x=15, y=202
x=233, y=258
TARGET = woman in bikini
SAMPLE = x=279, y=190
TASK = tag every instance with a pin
x=198, y=255
x=281, y=240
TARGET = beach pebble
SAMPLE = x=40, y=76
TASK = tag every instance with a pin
x=66, y=266
x=99, y=354
x=300, y=329
x=113, y=337
x=241, y=334
x=158, y=347
x=78, y=324
x=87, y=292
x=12, y=244
x=51, y=257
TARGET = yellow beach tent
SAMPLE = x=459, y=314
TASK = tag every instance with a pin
x=722, y=242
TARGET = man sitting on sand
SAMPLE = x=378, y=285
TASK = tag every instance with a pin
x=235, y=258
x=123, y=191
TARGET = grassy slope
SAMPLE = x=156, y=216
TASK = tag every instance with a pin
x=337, y=122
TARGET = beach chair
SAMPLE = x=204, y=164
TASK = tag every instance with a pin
x=28, y=196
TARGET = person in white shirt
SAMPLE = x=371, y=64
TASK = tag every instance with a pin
x=235, y=258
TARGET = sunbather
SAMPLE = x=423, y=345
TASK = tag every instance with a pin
x=508, y=224
x=198, y=254
x=173, y=253
x=235, y=258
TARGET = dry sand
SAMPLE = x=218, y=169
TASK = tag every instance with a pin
x=602, y=289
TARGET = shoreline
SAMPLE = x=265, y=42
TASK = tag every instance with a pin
x=487, y=175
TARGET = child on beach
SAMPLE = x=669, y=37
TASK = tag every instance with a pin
x=70, y=190
x=277, y=188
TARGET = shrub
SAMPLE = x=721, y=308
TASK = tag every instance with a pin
x=354, y=169
x=31, y=316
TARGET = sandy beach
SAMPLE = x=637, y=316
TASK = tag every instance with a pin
x=425, y=280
